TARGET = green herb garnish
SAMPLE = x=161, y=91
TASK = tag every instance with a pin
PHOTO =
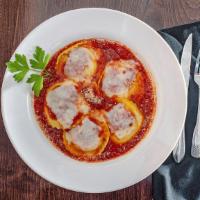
x=20, y=67
x=40, y=59
x=37, y=82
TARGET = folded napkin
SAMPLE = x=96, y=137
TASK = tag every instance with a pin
x=181, y=181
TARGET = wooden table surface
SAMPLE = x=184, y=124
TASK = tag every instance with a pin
x=17, y=18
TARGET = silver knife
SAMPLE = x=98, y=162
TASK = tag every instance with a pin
x=179, y=150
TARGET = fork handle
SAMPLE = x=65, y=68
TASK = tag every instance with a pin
x=179, y=150
x=195, y=149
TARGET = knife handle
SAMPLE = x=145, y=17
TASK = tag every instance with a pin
x=195, y=149
x=179, y=150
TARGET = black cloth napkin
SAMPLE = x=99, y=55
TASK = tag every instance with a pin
x=181, y=181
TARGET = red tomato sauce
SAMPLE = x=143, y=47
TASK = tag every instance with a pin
x=146, y=100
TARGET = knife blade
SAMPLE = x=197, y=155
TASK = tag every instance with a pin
x=179, y=150
x=186, y=59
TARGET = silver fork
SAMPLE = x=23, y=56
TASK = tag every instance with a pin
x=195, y=149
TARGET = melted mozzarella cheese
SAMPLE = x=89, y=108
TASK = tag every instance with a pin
x=118, y=76
x=80, y=64
x=85, y=136
x=62, y=102
x=121, y=121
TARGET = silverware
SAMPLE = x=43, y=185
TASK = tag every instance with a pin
x=179, y=150
x=195, y=149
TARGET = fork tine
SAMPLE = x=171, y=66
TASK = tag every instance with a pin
x=197, y=67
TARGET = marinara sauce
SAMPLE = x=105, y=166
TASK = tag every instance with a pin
x=145, y=98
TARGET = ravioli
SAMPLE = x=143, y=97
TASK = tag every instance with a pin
x=88, y=137
x=118, y=77
x=64, y=102
x=124, y=120
x=78, y=63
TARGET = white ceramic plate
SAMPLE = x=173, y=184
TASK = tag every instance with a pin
x=152, y=50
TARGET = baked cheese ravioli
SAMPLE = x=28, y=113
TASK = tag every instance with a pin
x=98, y=100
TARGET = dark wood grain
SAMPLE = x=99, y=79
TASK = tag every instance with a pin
x=17, y=18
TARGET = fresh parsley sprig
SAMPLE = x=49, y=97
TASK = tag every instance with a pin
x=37, y=83
x=20, y=67
x=40, y=59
